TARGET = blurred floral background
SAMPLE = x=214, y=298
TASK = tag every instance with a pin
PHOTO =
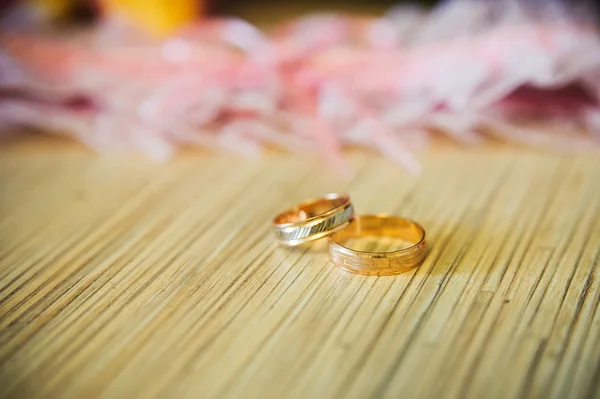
x=155, y=76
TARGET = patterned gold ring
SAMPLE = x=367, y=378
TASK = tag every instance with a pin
x=386, y=263
x=313, y=219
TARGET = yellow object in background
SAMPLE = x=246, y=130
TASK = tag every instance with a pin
x=51, y=9
x=157, y=17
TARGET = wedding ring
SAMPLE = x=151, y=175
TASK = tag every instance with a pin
x=394, y=261
x=313, y=219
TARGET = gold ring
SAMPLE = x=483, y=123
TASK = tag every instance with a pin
x=386, y=263
x=313, y=219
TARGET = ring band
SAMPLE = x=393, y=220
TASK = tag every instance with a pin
x=313, y=219
x=385, y=263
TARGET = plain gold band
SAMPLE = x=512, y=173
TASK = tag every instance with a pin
x=313, y=219
x=379, y=263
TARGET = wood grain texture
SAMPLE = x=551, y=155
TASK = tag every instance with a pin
x=120, y=278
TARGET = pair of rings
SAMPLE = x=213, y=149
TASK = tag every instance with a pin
x=333, y=216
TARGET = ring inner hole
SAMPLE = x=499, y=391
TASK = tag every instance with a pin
x=377, y=235
x=308, y=211
x=376, y=243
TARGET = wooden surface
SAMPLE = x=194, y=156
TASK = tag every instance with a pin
x=125, y=279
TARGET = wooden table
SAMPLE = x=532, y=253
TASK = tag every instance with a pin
x=122, y=278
